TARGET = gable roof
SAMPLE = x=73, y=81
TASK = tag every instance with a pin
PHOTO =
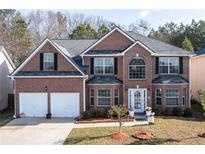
x=157, y=46
x=74, y=47
x=2, y=49
x=106, y=35
x=80, y=47
x=62, y=50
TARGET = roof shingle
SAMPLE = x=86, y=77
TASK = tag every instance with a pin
x=169, y=79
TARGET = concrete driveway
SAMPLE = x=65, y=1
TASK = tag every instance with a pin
x=36, y=131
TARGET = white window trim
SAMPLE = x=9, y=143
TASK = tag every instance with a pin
x=92, y=97
x=168, y=65
x=158, y=96
x=118, y=96
x=136, y=65
x=47, y=61
x=103, y=65
x=184, y=93
x=172, y=97
x=105, y=97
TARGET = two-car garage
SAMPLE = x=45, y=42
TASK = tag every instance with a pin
x=37, y=104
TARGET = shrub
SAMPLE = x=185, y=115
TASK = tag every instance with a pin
x=168, y=112
x=178, y=111
x=95, y=114
x=86, y=115
x=188, y=112
x=120, y=111
x=157, y=111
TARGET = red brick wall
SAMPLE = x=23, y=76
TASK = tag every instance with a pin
x=185, y=68
x=144, y=83
x=34, y=63
x=164, y=87
x=119, y=74
x=115, y=41
x=112, y=87
x=53, y=84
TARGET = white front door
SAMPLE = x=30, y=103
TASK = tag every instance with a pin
x=138, y=99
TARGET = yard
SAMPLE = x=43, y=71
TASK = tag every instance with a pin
x=5, y=115
x=166, y=131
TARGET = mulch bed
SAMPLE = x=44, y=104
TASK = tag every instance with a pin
x=143, y=135
x=119, y=136
x=202, y=134
x=100, y=120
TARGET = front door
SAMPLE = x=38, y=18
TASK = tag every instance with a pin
x=138, y=99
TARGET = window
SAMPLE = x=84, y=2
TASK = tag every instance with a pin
x=184, y=96
x=172, y=97
x=91, y=97
x=104, y=66
x=116, y=96
x=158, y=97
x=48, y=61
x=137, y=69
x=168, y=65
x=104, y=97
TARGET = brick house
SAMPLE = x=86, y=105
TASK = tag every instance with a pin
x=67, y=77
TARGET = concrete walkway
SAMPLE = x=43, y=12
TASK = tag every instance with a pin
x=110, y=124
x=36, y=131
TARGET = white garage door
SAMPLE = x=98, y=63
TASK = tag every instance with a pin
x=33, y=104
x=65, y=104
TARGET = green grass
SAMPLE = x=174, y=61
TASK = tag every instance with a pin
x=166, y=131
x=5, y=115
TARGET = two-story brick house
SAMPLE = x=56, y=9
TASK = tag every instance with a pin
x=67, y=77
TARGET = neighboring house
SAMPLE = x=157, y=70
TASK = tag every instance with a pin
x=6, y=84
x=198, y=74
x=67, y=77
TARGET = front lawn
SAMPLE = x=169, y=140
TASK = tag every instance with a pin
x=166, y=131
x=5, y=115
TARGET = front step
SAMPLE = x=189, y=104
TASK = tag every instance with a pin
x=140, y=116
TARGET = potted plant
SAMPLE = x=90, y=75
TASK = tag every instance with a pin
x=48, y=115
x=148, y=111
x=131, y=112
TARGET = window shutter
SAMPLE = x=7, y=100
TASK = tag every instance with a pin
x=91, y=65
x=55, y=61
x=115, y=65
x=181, y=65
x=41, y=61
x=157, y=65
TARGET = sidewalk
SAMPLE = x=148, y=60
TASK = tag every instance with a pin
x=110, y=124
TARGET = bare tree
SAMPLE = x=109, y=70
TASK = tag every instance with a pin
x=61, y=25
x=140, y=26
x=35, y=24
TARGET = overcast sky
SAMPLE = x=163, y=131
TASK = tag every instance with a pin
x=154, y=17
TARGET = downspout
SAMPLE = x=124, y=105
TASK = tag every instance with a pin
x=14, y=90
x=190, y=81
x=84, y=94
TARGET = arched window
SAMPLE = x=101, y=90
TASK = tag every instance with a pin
x=137, y=69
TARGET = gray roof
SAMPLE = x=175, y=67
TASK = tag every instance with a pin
x=156, y=45
x=200, y=52
x=48, y=73
x=74, y=47
x=104, y=52
x=104, y=80
x=170, y=79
